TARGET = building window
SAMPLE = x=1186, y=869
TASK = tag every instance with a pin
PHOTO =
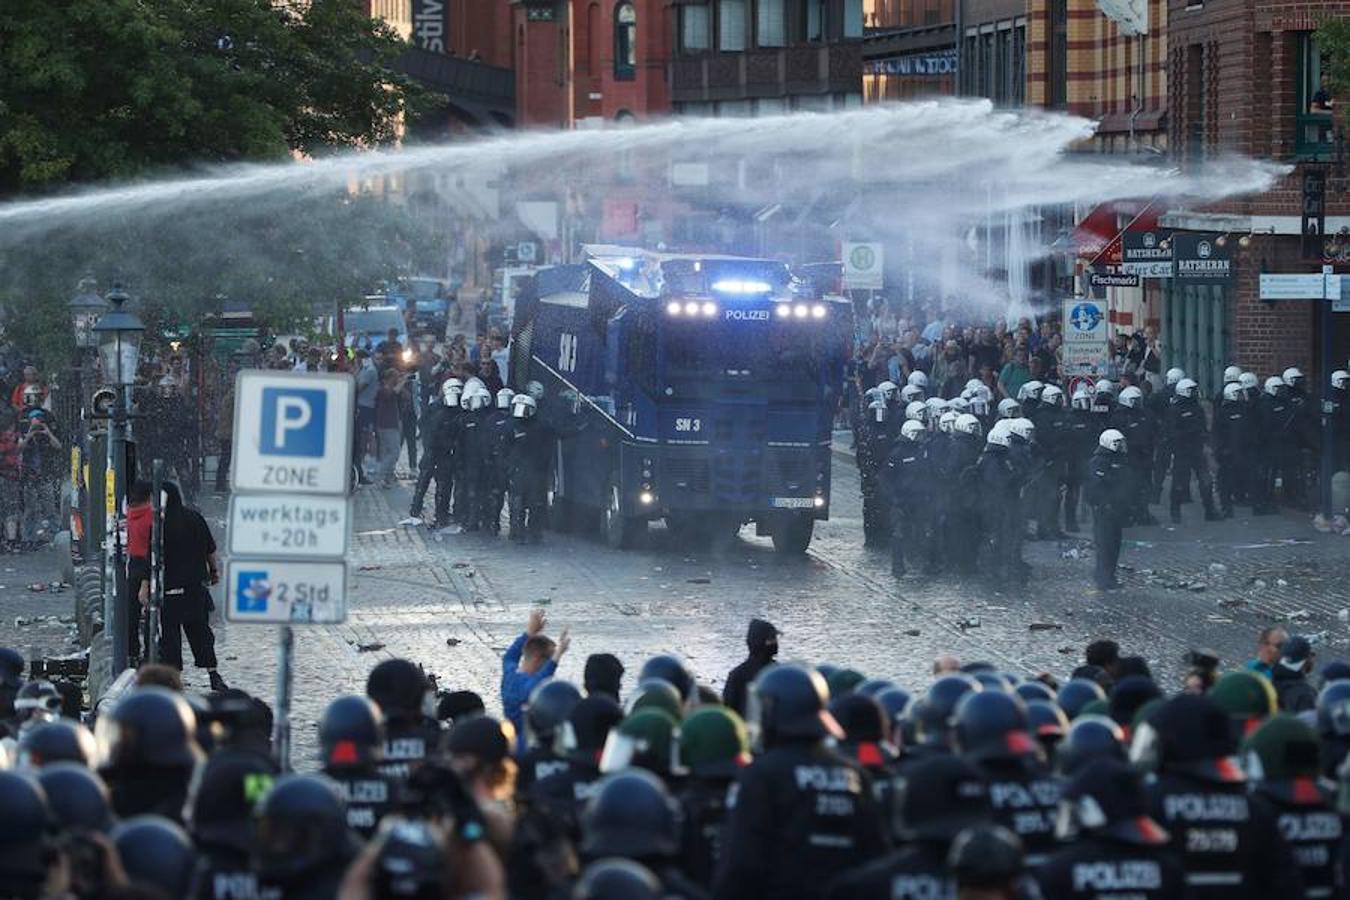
x=731, y=25
x=625, y=42
x=1315, y=118
x=1195, y=102
x=1058, y=92
x=853, y=18
x=694, y=28
x=770, y=23
x=813, y=18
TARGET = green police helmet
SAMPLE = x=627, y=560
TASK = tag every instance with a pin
x=647, y=739
x=714, y=742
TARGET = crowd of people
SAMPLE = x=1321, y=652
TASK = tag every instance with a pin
x=945, y=458
x=32, y=460
x=796, y=782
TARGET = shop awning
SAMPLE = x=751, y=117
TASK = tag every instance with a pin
x=1097, y=238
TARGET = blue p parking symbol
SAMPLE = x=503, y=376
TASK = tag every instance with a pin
x=293, y=421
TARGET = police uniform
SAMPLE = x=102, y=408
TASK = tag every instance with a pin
x=704, y=802
x=1081, y=429
x=438, y=452
x=1109, y=493
x=1025, y=798
x=918, y=872
x=406, y=745
x=368, y=795
x=909, y=481
x=800, y=815
x=1312, y=828
x=1186, y=433
x=1097, y=868
x=1234, y=435
x=1275, y=422
x=565, y=793
x=875, y=449
x=1000, y=506
x=528, y=456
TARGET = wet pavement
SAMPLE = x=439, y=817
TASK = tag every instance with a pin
x=453, y=604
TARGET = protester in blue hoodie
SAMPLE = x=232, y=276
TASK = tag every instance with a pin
x=531, y=659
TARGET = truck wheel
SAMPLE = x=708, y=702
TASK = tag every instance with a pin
x=619, y=531
x=792, y=534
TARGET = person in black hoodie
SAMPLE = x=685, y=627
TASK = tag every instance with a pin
x=1290, y=676
x=762, y=640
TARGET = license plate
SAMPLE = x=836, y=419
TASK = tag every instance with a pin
x=792, y=502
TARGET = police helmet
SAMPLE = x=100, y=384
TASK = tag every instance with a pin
x=1076, y=693
x=62, y=740
x=1000, y=435
x=1131, y=397
x=986, y=856
x=862, y=718
x=714, y=743
x=887, y=390
x=617, y=879
x=150, y=727
x=1174, y=375
x=156, y=851
x=1008, y=408
x=959, y=405
x=992, y=725
x=1105, y=388
x=479, y=400
x=1333, y=724
x=936, y=407
x=873, y=686
x=670, y=669
x=302, y=829
x=37, y=700
x=633, y=815
x=411, y=859
x=1030, y=391
x=1106, y=797
x=1052, y=395
x=896, y=702
x=1082, y=397
x=451, y=391
x=646, y=739
x=466, y=400
x=398, y=687
x=878, y=409
x=788, y=702
x=916, y=411
x=1046, y=722
x=1233, y=393
x=991, y=680
x=523, y=406
x=1111, y=440
x=911, y=394
x=1189, y=734
x=972, y=383
x=549, y=706
x=224, y=796
x=504, y=398
x=656, y=693
x=351, y=733
x=967, y=424
x=1129, y=696
x=913, y=430
x=1283, y=756
x=1023, y=429
x=1275, y=385
x=24, y=828
x=584, y=733
x=1292, y=376
x=11, y=667
x=917, y=379
x=1186, y=387
x=1248, y=698
x=77, y=797
x=1034, y=690
x=535, y=390
x=843, y=681
x=1089, y=738
x=933, y=714
x=1232, y=374
x=1340, y=379
x=1249, y=381
x=937, y=798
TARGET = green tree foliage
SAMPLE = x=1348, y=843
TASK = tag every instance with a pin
x=1333, y=38
x=96, y=89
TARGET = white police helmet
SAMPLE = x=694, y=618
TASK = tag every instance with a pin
x=523, y=406
x=913, y=430
x=504, y=398
x=947, y=420
x=968, y=424
x=916, y=411
x=1052, y=395
x=1023, y=429
x=1131, y=397
x=911, y=392
x=918, y=379
x=1233, y=392
x=1082, y=397
x=1008, y=408
x=1175, y=374
x=888, y=390
x=1292, y=376
x=1232, y=374
x=1112, y=440
x=878, y=409
x=1340, y=379
x=1249, y=381
x=1273, y=385
x=999, y=434
x=1030, y=391
x=1186, y=387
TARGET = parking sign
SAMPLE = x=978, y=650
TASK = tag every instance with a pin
x=293, y=432
x=286, y=593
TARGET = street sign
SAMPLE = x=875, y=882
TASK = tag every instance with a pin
x=1292, y=286
x=286, y=593
x=1113, y=279
x=863, y=269
x=1341, y=303
x=293, y=432
x=1085, y=337
x=294, y=526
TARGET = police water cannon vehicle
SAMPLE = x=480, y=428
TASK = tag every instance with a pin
x=698, y=389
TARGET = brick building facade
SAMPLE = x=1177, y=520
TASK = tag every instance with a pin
x=1242, y=80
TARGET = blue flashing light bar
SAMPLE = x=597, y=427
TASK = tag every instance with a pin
x=738, y=286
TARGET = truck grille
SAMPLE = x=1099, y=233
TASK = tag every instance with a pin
x=687, y=474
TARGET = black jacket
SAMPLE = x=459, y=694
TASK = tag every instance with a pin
x=1097, y=868
x=917, y=870
x=1185, y=425
x=758, y=636
x=1293, y=690
x=1109, y=481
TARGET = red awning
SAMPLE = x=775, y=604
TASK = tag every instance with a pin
x=1098, y=236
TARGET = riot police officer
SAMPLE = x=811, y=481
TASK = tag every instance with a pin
x=1110, y=493
x=403, y=693
x=549, y=707
x=149, y=752
x=714, y=747
x=1088, y=739
x=156, y=853
x=956, y=476
x=633, y=816
x=873, y=450
x=931, y=716
x=1081, y=431
x=472, y=452
x=991, y=730
x=580, y=741
x=528, y=455
x=1186, y=434
x=1230, y=842
x=1048, y=416
x=439, y=422
x=303, y=845
x=1340, y=418
x=932, y=803
x=801, y=814
x=909, y=475
x=1000, y=485
x=351, y=742
x=220, y=820
x=1134, y=422
x=1115, y=849
x=1294, y=465
x=1234, y=444
x=500, y=429
x=1281, y=757
x=1158, y=403
x=1278, y=445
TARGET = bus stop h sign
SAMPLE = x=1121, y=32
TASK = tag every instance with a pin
x=293, y=432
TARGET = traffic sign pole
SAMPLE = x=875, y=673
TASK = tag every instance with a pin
x=281, y=724
x=1328, y=350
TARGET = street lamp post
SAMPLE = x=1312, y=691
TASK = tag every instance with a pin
x=85, y=309
x=119, y=346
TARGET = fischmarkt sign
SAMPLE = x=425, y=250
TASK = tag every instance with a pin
x=863, y=266
x=1201, y=259
x=1147, y=254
